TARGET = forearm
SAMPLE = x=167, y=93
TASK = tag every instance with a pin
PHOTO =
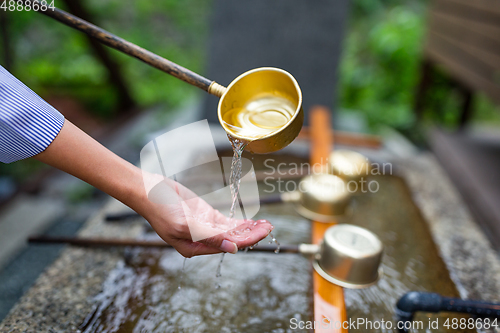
x=76, y=153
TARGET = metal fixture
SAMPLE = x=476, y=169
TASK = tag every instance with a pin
x=323, y=198
x=263, y=107
x=349, y=256
x=414, y=301
x=350, y=166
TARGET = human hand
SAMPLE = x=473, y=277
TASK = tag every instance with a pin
x=178, y=215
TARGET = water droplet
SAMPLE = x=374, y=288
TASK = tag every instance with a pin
x=275, y=241
x=219, y=267
x=183, y=273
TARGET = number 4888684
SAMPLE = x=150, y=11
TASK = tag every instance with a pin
x=20, y=5
x=471, y=323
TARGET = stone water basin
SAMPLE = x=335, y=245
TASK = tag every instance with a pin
x=150, y=291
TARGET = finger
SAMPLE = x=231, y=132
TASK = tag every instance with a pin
x=190, y=249
x=246, y=234
x=219, y=242
x=249, y=233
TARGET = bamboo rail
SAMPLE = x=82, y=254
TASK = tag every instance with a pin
x=116, y=242
x=328, y=298
x=347, y=138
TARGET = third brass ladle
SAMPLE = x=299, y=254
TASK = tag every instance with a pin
x=245, y=89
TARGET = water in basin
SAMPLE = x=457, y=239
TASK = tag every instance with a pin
x=258, y=292
x=262, y=292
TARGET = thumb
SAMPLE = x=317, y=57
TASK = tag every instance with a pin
x=220, y=243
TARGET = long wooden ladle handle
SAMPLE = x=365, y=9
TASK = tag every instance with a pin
x=133, y=50
x=115, y=242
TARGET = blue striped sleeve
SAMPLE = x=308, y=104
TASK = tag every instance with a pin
x=28, y=124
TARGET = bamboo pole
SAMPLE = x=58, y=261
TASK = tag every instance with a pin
x=328, y=298
x=348, y=138
x=118, y=242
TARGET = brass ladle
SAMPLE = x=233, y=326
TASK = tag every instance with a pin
x=272, y=95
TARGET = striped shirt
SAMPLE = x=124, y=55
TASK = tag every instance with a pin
x=28, y=124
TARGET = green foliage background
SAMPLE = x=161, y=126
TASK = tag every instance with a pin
x=379, y=69
x=54, y=59
x=378, y=72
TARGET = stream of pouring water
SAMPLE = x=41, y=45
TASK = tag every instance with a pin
x=235, y=175
x=234, y=184
x=259, y=117
x=238, y=146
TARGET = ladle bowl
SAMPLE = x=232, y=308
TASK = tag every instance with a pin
x=350, y=166
x=264, y=108
x=323, y=198
x=349, y=256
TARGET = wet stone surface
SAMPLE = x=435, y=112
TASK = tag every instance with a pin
x=138, y=290
x=259, y=292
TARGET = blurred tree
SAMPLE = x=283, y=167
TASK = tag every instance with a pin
x=125, y=101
